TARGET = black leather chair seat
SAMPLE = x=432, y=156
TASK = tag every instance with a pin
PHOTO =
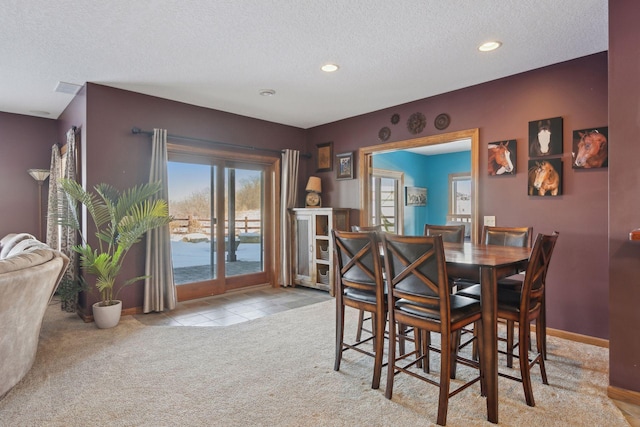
x=508, y=300
x=360, y=295
x=461, y=307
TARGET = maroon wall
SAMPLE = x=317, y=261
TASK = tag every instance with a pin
x=115, y=155
x=501, y=109
x=624, y=194
x=25, y=143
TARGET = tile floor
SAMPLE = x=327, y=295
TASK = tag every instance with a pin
x=235, y=307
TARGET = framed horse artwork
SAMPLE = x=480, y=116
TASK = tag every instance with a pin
x=502, y=158
x=545, y=177
x=590, y=148
x=545, y=137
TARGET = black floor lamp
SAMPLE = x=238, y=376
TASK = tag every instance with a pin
x=39, y=175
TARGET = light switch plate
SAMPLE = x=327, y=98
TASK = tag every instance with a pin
x=490, y=221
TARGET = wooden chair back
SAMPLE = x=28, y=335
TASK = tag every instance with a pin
x=507, y=236
x=449, y=233
x=359, y=268
x=416, y=273
x=532, y=294
x=376, y=228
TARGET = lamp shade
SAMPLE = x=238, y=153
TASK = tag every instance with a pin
x=314, y=184
x=39, y=174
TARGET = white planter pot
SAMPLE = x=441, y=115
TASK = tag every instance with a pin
x=107, y=316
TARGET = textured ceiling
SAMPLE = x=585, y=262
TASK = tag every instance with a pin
x=221, y=53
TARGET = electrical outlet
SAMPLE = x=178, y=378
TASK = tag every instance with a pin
x=490, y=221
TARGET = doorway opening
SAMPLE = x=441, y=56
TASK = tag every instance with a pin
x=443, y=143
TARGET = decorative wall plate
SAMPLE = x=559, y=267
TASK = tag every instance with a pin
x=384, y=133
x=416, y=123
x=395, y=119
x=442, y=121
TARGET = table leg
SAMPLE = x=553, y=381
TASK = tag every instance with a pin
x=489, y=360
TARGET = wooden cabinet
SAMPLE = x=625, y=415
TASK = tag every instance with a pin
x=313, y=251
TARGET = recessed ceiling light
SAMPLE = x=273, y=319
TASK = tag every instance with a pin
x=329, y=68
x=267, y=92
x=489, y=46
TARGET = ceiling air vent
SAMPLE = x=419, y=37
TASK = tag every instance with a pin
x=69, y=88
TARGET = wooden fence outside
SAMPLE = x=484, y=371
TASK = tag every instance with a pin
x=203, y=225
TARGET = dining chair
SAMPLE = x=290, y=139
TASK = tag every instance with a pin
x=419, y=296
x=500, y=236
x=511, y=236
x=449, y=233
x=523, y=306
x=359, y=284
x=507, y=236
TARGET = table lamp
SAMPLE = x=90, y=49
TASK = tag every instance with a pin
x=314, y=188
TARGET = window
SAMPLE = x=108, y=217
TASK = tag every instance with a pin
x=460, y=195
x=386, y=200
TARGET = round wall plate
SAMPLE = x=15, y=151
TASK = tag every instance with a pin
x=395, y=119
x=442, y=121
x=416, y=123
x=384, y=133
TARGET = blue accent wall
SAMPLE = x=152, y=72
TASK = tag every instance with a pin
x=431, y=172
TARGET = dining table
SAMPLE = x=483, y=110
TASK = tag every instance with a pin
x=486, y=264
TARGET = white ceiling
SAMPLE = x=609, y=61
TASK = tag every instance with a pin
x=221, y=53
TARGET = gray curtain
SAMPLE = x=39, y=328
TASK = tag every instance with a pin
x=59, y=237
x=159, y=287
x=289, y=197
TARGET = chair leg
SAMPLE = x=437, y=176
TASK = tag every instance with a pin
x=425, y=343
x=455, y=344
x=373, y=329
x=543, y=327
x=391, y=362
x=380, y=323
x=360, y=322
x=445, y=370
x=525, y=370
x=540, y=346
x=510, y=334
x=339, y=333
x=401, y=338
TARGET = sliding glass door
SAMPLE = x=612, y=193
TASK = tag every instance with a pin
x=218, y=235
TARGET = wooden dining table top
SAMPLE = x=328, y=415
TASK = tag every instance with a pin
x=484, y=255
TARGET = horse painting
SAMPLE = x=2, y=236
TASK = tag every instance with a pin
x=545, y=137
x=544, y=178
x=592, y=149
x=500, y=161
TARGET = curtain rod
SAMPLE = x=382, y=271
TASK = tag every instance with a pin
x=137, y=130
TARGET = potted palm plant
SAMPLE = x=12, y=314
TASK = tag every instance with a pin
x=120, y=220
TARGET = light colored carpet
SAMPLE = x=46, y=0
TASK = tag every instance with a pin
x=274, y=371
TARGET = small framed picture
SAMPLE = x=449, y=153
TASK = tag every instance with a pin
x=415, y=196
x=325, y=157
x=590, y=148
x=344, y=166
x=502, y=158
x=545, y=177
x=545, y=137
